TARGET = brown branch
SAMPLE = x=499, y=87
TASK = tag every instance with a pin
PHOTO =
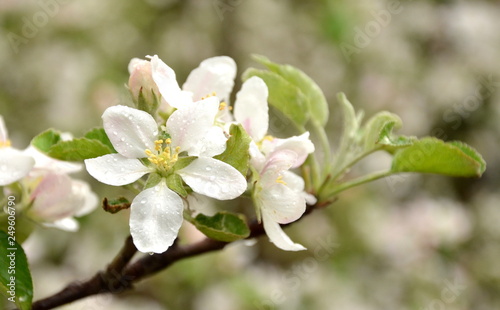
x=120, y=275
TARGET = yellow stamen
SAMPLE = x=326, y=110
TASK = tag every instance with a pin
x=280, y=180
x=163, y=158
x=5, y=143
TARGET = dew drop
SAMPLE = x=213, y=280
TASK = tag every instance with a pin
x=144, y=201
x=122, y=139
x=115, y=133
x=208, y=168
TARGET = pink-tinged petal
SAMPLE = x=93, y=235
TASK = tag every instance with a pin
x=4, y=135
x=114, y=169
x=14, y=165
x=66, y=224
x=43, y=161
x=131, y=131
x=301, y=145
x=278, y=236
x=156, y=215
x=251, y=108
x=53, y=198
x=296, y=183
x=214, y=74
x=275, y=165
x=282, y=204
x=191, y=128
x=214, y=178
x=166, y=81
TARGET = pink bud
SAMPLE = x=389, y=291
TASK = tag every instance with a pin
x=143, y=88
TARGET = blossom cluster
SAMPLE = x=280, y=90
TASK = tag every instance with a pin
x=180, y=152
x=49, y=195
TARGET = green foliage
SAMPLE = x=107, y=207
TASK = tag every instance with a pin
x=315, y=99
x=223, y=226
x=175, y=183
x=237, y=149
x=283, y=95
x=95, y=143
x=431, y=155
x=14, y=272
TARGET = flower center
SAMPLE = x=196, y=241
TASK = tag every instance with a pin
x=5, y=143
x=164, y=156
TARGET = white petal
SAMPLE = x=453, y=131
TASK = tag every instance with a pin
x=134, y=62
x=131, y=131
x=214, y=74
x=14, y=165
x=191, y=128
x=251, y=109
x=43, y=161
x=155, y=218
x=214, y=178
x=275, y=165
x=4, y=135
x=281, y=203
x=114, y=169
x=257, y=159
x=278, y=236
x=67, y=224
x=165, y=79
x=298, y=144
x=89, y=200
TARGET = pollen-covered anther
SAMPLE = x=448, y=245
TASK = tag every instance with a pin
x=280, y=180
x=212, y=94
x=163, y=158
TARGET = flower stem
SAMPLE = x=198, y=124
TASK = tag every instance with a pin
x=358, y=181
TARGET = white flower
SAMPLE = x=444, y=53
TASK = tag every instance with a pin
x=214, y=75
x=278, y=193
x=157, y=212
x=14, y=165
x=56, y=198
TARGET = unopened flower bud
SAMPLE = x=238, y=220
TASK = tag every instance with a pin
x=145, y=93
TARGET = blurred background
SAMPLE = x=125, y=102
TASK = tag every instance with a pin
x=408, y=242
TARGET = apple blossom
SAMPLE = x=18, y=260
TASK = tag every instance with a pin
x=157, y=212
x=278, y=193
x=214, y=75
x=14, y=165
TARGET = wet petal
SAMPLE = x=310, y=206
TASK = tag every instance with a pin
x=251, y=108
x=191, y=128
x=214, y=178
x=14, y=165
x=131, y=131
x=114, y=169
x=214, y=74
x=278, y=236
x=281, y=203
x=275, y=165
x=156, y=215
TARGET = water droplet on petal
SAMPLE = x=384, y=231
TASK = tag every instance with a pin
x=115, y=133
x=144, y=201
x=122, y=139
x=151, y=253
x=208, y=168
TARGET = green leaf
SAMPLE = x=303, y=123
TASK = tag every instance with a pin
x=78, y=149
x=175, y=183
x=15, y=277
x=44, y=141
x=100, y=135
x=316, y=101
x=183, y=162
x=237, y=153
x=283, y=95
x=379, y=128
x=223, y=226
x=431, y=155
x=351, y=122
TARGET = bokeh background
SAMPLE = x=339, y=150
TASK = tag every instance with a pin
x=408, y=242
